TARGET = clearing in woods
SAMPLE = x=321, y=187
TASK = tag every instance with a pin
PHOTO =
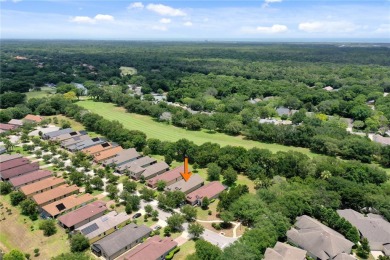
x=128, y=71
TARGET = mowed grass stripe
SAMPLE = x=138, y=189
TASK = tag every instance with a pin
x=166, y=132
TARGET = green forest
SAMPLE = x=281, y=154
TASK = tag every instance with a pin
x=218, y=81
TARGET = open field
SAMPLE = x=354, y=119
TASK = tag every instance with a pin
x=127, y=71
x=166, y=132
x=16, y=233
x=44, y=92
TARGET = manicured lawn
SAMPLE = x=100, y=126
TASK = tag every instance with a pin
x=204, y=214
x=16, y=232
x=186, y=249
x=165, y=132
x=44, y=92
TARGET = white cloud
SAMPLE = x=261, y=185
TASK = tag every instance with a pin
x=187, y=23
x=165, y=20
x=327, y=27
x=268, y=2
x=90, y=20
x=276, y=28
x=383, y=28
x=82, y=19
x=159, y=28
x=136, y=5
x=16, y=1
x=165, y=10
x=104, y=17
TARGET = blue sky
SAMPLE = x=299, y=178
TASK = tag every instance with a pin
x=257, y=19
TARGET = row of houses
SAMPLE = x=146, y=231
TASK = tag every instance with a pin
x=318, y=241
x=15, y=165
x=16, y=123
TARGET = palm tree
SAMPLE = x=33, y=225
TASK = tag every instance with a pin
x=326, y=175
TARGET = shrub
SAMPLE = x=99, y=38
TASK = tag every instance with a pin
x=172, y=253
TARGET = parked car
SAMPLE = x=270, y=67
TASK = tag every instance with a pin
x=137, y=215
x=157, y=227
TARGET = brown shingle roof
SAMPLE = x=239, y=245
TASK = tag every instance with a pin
x=16, y=171
x=317, y=239
x=282, y=251
x=167, y=176
x=16, y=122
x=123, y=156
x=209, y=190
x=154, y=168
x=57, y=192
x=8, y=157
x=72, y=218
x=186, y=186
x=107, y=154
x=67, y=204
x=41, y=185
x=30, y=177
x=153, y=248
x=34, y=118
x=13, y=163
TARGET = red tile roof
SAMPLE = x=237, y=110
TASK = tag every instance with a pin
x=167, y=176
x=69, y=203
x=13, y=163
x=8, y=157
x=209, y=190
x=72, y=218
x=107, y=154
x=29, y=177
x=41, y=185
x=55, y=193
x=7, y=126
x=34, y=118
x=23, y=169
x=153, y=248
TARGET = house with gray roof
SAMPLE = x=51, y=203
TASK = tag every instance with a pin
x=70, y=135
x=120, y=241
x=75, y=140
x=123, y=157
x=85, y=144
x=320, y=241
x=155, y=169
x=53, y=134
x=283, y=251
x=103, y=226
x=283, y=111
x=371, y=226
x=193, y=183
x=17, y=122
x=136, y=165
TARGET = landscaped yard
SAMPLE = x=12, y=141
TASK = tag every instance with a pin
x=165, y=132
x=16, y=233
x=186, y=249
x=44, y=92
x=73, y=124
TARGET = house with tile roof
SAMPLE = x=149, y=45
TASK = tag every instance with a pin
x=154, y=248
x=83, y=215
x=99, y=148
x=13, y=163
x=210, y=190
x=103, y=226
x=107, y=154
x=41, y=186
x=283, y=251
x=193, y=183
x=371, y=226
x=66, y=204
x=320, y=241
x=33, y=118
x=30, y=177
x=55, y=194
x=120, y=241
x=123, y=157
x=20, y=170
x=168, y=177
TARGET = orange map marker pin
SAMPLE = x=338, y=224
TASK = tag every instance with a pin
x=186, y=174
